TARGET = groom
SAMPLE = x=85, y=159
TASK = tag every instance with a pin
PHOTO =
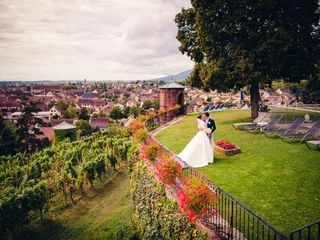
x=210, y=124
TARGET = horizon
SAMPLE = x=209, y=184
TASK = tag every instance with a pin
x=93, y=39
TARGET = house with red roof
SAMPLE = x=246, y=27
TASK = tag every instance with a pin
x=101, y=123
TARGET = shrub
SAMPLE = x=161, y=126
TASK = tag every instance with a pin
x=225, y=144
x=141, y=135
x=168, y=171
x=194, y=199
x=135, y=126
x=263, y=108
x=150, y=151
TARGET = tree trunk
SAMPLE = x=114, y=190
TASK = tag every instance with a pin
x=255, y=98
x=41, y=215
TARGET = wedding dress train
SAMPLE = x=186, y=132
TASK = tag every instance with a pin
x=198, y=152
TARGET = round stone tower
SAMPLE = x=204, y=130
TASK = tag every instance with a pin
x=171, y=94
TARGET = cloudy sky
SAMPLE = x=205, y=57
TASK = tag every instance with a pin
x=93, y=39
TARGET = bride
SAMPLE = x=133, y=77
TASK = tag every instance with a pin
x=198, y=152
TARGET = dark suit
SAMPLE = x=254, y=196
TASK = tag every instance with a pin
x=211, y=125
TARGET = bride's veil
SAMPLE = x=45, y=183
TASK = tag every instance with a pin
x=201, y=125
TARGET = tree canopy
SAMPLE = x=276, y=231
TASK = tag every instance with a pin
x=84, y=114
x=83, y=127
x=28, y=128
x=241, y=43
x=8, y=141
x=116, y=113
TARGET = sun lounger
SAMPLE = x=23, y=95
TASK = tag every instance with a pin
x=259, y=128
x=299, y=136
x=240, y=126
x=313, y=144
x=291, y=129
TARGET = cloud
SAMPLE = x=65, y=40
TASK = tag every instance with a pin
x=96, y=39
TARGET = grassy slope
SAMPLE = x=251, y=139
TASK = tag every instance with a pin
x=99, y=216
x=278, y=181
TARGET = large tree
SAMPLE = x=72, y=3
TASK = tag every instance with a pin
x=84, y=128
x=8, y=140
x=311, y=92
x=116, y=113
x=28, y=128
x=242, y=43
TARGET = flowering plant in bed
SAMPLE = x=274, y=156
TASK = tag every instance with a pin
x=140, y=135
x=150, y=150
x=195, y=197
x=225, y=144
x=168, y=170
x=225, y=148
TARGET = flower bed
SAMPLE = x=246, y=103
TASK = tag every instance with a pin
x=195, y=197
x=225, y=148
x=150, y=151
x=168, y=171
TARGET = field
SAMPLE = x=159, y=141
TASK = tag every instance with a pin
x=104, y=214
x=278, y=181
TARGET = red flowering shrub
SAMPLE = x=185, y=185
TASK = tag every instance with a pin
x=140, y=135
x=168, y=170
x=135, y=126
x=225, y=144
x=150, y=151
x=194, y=199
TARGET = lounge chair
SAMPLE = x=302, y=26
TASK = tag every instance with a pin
x=206, y=108
x=310, y=134
x=291, y=129
x=313, y=144
x=240, y=126
x=270, y=125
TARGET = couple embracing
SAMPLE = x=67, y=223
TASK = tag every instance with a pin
x=199, y=151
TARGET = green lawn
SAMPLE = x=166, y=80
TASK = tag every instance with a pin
x=280, y=182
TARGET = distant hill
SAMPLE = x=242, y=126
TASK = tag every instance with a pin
x=180, y=76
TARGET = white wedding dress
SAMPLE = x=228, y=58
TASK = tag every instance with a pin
x=198, y=152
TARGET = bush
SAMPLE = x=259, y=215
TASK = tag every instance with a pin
x=168, y=171
x=150, y=151
x=60, y=135
x=263, y=108
x=194, y=199
x=141, y=135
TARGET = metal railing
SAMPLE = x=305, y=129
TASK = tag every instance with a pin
x=308, y=232
x=233, y=220
x=289, y=114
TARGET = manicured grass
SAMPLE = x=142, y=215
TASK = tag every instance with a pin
x=278, y=181
x=104, y=214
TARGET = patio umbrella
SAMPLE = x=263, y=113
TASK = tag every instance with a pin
x=297, y=96
x=241, y=96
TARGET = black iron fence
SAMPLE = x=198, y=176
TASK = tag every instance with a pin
x=289, y=114
x=233, y=220
x=310, y=232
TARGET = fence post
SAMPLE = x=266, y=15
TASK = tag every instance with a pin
x=231, y=220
